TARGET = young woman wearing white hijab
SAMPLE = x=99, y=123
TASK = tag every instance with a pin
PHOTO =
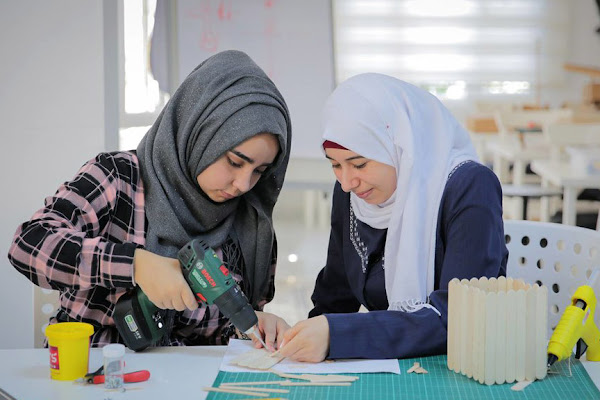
x=412, y=209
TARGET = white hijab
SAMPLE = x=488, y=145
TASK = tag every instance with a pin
x=398, y=124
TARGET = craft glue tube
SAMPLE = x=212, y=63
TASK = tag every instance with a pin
x=114, y=365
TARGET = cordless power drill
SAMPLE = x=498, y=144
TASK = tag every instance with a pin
x=141, y=324
x=576, y=326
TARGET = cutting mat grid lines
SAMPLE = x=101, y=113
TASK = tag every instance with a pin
x=437, y=384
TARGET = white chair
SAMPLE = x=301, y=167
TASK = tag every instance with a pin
x=561, y=136
x=491, y=107
x=529, y=191
x=45, y=304
x=482, y=126
x=519, y=149
x=561, y=257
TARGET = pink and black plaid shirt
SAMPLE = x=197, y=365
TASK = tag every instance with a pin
x=82, y=243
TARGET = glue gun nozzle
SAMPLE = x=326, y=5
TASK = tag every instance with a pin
x=551, y=359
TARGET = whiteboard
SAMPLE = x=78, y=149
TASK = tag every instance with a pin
x=290, y=40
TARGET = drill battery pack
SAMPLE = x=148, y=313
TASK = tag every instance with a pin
x=139, y=326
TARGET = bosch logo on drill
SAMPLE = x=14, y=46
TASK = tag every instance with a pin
x=209, y=278
x=199, y=279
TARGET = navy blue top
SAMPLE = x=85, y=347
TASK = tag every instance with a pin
x=469, y=243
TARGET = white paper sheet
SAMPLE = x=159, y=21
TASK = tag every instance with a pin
x=237, y=347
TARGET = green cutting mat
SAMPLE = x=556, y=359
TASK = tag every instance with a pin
x=439, y=383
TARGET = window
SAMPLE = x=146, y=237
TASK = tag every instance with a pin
x=456, y=49
x=141, y=100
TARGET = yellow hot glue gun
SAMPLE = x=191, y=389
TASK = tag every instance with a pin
x=576, y=326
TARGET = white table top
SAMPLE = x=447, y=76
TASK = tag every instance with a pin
x=512, y=152
x=559, y=173
x=175, y=372
x=593, y=370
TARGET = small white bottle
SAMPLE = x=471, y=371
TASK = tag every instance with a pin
x=114, y=365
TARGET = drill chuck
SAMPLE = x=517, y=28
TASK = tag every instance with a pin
x=234, y=306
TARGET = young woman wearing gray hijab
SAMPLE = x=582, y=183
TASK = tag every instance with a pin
x=211, y=167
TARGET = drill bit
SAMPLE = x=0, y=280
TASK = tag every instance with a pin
x=259, y=337
x=256, y=332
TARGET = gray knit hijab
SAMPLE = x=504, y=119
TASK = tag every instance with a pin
x=224, y=101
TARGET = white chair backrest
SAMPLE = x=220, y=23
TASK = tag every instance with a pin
x=507, y=121
x=561, y=257
x=561, y=135
x=573, y=134
x=586, y=114
x=493, y=106
x=45, y=304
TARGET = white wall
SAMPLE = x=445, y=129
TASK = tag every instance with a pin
x=52, y=121
x=584, y=44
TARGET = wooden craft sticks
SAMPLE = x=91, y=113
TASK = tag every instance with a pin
x=261, y=359
x=316, y=377
x=257, y=359
x=497, y=329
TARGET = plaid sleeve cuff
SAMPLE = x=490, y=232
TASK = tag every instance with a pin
x=116, y=266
